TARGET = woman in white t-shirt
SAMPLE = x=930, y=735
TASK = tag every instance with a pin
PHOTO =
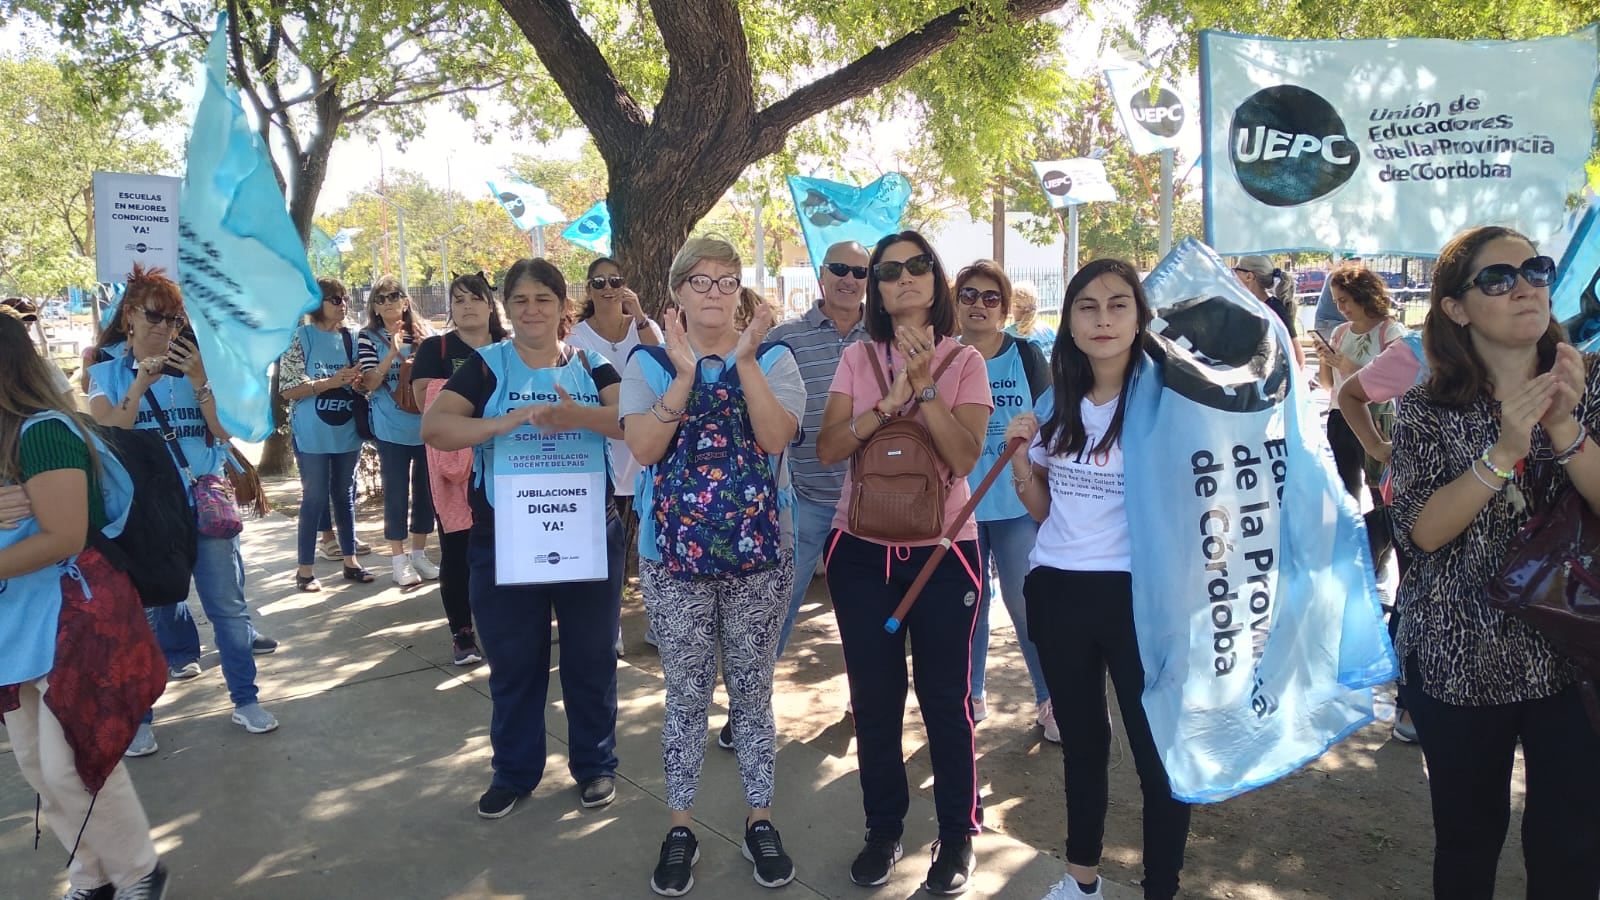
x=1079, y=591
x=1369, y=328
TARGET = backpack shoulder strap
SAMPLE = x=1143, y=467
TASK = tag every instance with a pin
x=349, y=344
x=167, y=434
x=948, y=361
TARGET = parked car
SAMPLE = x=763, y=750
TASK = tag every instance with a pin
x=1394, y=281
x=1310, y=281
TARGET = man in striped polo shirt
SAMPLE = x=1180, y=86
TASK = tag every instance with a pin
x=817, y=339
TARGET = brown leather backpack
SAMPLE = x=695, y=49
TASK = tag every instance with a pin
x=897, y=493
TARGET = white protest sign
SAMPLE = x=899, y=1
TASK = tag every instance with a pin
x=135, y=221
x=550, y=507
x=1070, y=182
x=1154, y=115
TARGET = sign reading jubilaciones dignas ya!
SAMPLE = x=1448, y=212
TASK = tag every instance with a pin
x=1390, y=146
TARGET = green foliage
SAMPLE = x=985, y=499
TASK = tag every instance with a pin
x=47, y=162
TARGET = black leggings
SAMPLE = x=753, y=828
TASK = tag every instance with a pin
x=1470, y=751
x=454, y=568
x=1082, y=623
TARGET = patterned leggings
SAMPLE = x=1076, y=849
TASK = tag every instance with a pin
x=691, y=617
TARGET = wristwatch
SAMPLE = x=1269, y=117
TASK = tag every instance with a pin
x=928, y=393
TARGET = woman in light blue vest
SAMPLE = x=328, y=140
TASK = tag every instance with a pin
x=318, y=374
x=392, y=334
x=537, y=413
x=1018, y=376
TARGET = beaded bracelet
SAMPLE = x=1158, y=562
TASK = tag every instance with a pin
x=1566, y=455
x=1497, y=488
x=675, y=413
x=1505, y=474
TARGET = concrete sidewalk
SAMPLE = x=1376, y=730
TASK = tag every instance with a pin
x=369, y=788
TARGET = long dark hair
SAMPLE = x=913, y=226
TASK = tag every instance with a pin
x=477, y=284
x=28, y=387
x=1458, y=376
x=941, y=315
x=588, y=302
x=1072, y=376
x=544, y=272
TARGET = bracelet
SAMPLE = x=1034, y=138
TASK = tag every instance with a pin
x=203, y=393
x=855, y=434
x=1024, y=481
x=657, y=409
x=1504, y=474
x=1566, y=455
x=883, y=417
x=1496, y=488
x=675, y=413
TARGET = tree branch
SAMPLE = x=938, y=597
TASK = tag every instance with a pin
x=572, y=58
x=241, y=74
x=357, y=111
x=706, y=48
x=875, y=69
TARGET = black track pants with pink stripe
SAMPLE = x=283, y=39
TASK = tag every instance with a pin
x=867, y=581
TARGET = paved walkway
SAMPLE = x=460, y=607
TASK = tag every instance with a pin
x=368, y=790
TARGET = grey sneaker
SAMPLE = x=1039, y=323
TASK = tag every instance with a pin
x=150, y=887
x=103, y=892
x=144, y=742
x=254, y=719
x=184, y=672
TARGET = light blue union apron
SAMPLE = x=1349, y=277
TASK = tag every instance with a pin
x=1008, y=381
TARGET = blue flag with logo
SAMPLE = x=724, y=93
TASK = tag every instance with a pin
x=529, y=207
x=1573, y=299
x=592, y=230
x=1253, y=593
x=831, y=212
x=241, y=263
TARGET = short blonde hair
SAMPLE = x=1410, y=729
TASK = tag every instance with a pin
x=695, y=251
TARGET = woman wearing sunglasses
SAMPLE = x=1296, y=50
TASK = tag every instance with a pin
x=612, y=324
x=1504, y=424
x=384, y=349
x=944, y=386
x=318, y=375
x=161, y=366
x=1018, y=376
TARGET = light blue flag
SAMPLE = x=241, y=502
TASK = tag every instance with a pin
x=529, y=207
x=831, y=212
x=242, y=265
x=1254, y=598
x=592, y=230
x=344, y=240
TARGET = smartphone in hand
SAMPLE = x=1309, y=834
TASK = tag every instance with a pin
x=186, y=335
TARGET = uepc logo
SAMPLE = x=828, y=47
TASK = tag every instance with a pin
x=1289, y=146
x=1058, y=182
x=1162, y=115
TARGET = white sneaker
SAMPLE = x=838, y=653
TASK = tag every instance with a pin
x=424, y=566
x=1068, y=889
x=254, y=719
x=980, y=709
x=144, y=742
x=405, y=573
x=1047, y=720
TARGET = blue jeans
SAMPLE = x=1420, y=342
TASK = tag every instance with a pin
x=812, y=523
x=219, y=582
x=176, y=633
x=405, y=487
x=325, y=521
x=323, y=477
x=1005, y=543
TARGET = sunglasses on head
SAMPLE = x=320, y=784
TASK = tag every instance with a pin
x=920, y=264
x=969, y=296
x=601, y=282
x=391, y=297
x=155, y=318
x=842, y=269
x=1500, y=278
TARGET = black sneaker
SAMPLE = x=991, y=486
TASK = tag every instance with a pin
x=952, y=866
x=875, y=863
x=150, y=887
x=725, y=736
x=674, y=875
x=497, y=802
x=597, y=792
x=763, y=847
x=103, y=892
x=465, y=647
x=262, y=645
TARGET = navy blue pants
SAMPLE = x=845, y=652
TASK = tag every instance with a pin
x=867, y=581
x=514, y=632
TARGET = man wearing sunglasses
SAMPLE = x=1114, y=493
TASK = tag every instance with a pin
x=817, y=339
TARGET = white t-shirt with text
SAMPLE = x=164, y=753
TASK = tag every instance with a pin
x=1087, y=529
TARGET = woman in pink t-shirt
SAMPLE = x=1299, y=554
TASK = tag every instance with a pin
x=938, y=382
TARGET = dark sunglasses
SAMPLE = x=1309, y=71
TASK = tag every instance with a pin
x=1500, y=278
x=920, y=264
x=601, y=282
x=969, y=296
x=390, y=297
x=336, y=299
x=174, y=322
x=842, y=269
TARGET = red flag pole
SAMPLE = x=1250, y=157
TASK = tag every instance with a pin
x=893, y=625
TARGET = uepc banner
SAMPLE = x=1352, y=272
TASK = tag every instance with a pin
x=1253, y=593
x=1154, y=115
x=1070, y=182
x=830, y=211
x=1391, y=145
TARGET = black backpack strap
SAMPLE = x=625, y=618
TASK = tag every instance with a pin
x=168, y=435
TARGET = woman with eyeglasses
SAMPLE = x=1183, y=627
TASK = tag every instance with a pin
x=944, y=386
x=477, y=324
x=711, y=415
x=1025, y=322
x=612, y=324
x=160, y=368
x=384, y=351
x=1504, y=424
x=1264, y=281
x=528, y=398
x=1018, y=376
x=318, y=375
